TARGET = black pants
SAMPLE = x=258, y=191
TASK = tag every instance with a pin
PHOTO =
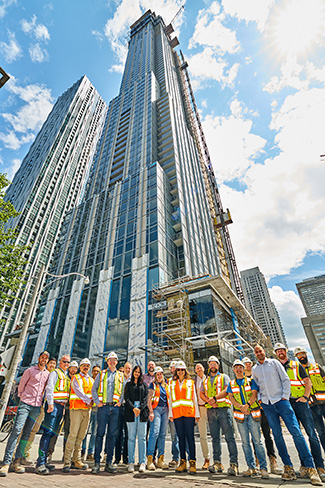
x=121, y=444
x=269, y=444
x=185, y=432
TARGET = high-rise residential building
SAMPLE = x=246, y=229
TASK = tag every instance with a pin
x=260, y=305
x=312, y=295
x=49, y=183
x=150, y=231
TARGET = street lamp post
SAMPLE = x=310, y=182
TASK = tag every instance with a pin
x=17, y=355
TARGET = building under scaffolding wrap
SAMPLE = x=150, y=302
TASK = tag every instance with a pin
x=150, y=233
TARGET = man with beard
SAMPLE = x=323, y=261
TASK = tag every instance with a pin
x=274, y=392
x=219, y=416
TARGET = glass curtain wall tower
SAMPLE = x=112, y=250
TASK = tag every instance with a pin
x=49, y=183
x=145, y=218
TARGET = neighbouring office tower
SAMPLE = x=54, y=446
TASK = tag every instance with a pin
x=312, y=295
x=49, y=183
x=150, y=232
x=260, y=305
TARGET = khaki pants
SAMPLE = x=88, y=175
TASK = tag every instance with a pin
x=33, y=433
x=202, y=425
x=79, y=420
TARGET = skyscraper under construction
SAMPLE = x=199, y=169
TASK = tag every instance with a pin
x=150, y=232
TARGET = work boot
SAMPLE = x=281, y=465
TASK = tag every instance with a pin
x=250, y=472
x=314, y=478
x=216, y=467
x=95, y=468
x=206, y=464
x=288, y=474
x=81, y=465
x=109, y=468
x=264, y=474
x=150, y=465
x=321, y=473
x=173, y=463
x=192, y=466
x=161, y=463
x=26, y=462
x=232, y=470
x=182, y=468
x=17, y=467
x=66, y=468
x=4, y=470
x=90, y=457
x=274, y=468
x=303, y=472
x=41, y=469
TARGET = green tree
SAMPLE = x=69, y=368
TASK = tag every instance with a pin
x=12, y=255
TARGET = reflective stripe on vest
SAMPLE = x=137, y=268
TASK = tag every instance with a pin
x=217, y=387
x=254, y=410
x=318, y=384
x=297, y=386
x=62, y=386
x=156, y=395
x=182, y=399
x=85, y=384
x=118, y=386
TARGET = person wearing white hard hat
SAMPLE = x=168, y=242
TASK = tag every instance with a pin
x=80, y=404
x=317, y=398
x=121, y=444
x=202, y=423
x=107, y=394
x=299, y=397
x=184, y=411
x=72, y=371
x=158, y=416
x=274, y=393
x=172, y=430
x=242, y=393
x=213, y=392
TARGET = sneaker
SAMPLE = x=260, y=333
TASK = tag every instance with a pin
x=232, y=470
x=303, y=472
x=288, y=474
x=17, y=467
x=131, y=468
x=95, y=468
x=206, y=464
x=50, y=467
x=314, y=478
x=150, y=464
x=173, y=463
x=4, y=470
x=216, y=467
x=142, y=468
x=66, y=469
x=41, y=469
x=109, y=468
x=90, y=457
x=264, y=474
x=321, y=473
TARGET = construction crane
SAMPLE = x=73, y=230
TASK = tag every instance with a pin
x=177, y=14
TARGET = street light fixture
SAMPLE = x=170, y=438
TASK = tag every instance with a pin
x=22, y=336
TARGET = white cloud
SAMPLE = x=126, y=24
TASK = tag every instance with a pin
x=280, y=216
x=39, y=31
x=11, y=50
x=37, y=54
x=206, y=66
x=4, y=5
x=210, y=31
x=249, y=10
x=291, y=76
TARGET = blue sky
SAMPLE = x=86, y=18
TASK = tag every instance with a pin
x=257, y=68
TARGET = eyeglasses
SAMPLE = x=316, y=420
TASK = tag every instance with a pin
x=180, y=370
x=66, y=362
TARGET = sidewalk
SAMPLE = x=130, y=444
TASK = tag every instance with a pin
x=150, y=479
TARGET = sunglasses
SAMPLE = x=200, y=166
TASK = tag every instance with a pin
x=66, y=362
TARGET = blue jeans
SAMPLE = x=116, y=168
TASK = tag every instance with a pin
x=221, y=418
x=92, y=428
x=250, y=426
x=107, y=418
x=185, y=433
x=304, y=415
x=318, y=413
x=158, y=431
x=135, y=428
x=283, y=409
x=121, y=444
x=51, y=427
x=24, y=422
x=175, y=444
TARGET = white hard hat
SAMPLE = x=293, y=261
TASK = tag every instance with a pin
x=112, y=355
x=298, y=350
x=180, y=365
x=85, y=361
x=279, y=345
x=213, y=358
x=247, y=360
x=158, y=369
x=172, y=363
x=238, y=362
x=74, y=363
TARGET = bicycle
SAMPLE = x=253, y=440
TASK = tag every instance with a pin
x=8, y=424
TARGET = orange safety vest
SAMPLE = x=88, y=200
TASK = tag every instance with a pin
x=255, y=410
x=156, y=395
x=85, y=383
x=182, y=399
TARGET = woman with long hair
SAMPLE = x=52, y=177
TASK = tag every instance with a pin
x=136, y=416
x=184, y=412
x=158, y=407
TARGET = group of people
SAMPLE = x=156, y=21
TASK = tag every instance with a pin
x=119, y=406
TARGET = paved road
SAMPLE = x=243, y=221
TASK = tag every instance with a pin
x=156, y=479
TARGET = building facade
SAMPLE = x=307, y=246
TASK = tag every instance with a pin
x=260, y=305
x=312, y=295
x=147, y=221
x=49, y=183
